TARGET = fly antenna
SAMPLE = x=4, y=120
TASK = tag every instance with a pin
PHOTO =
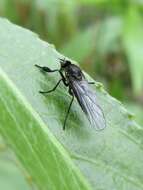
x=62, y=60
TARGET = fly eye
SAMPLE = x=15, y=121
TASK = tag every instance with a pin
x=67, y=62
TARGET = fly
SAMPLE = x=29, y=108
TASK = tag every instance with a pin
x=73, y=78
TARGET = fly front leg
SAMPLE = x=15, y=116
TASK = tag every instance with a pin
x=46, y=69
x=71, y=93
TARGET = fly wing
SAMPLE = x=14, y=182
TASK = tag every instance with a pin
x=88, y=102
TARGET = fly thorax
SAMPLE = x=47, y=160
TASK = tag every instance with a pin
x=74, y=72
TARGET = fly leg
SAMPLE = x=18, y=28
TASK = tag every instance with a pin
x=46, y=92
x=71, y=93
x=91, y=82
x=46, y=69
x=64, y=79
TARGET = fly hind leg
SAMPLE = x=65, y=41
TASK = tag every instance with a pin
x=71, y=93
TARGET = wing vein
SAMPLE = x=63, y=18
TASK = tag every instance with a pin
x=87, y=99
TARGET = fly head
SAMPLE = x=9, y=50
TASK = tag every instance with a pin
x=64, y=63
x=72, y=71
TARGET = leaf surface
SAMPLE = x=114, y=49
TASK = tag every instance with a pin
x=32, y=123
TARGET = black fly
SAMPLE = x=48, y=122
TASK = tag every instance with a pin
x=72, y=77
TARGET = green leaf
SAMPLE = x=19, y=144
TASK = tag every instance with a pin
x=137, y=110
x=133, y=41
x=40, y=153
x=32, y=123
x=10, y=176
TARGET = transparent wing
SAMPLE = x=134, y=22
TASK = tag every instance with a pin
x=88, y=102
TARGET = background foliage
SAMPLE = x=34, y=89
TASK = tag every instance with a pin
x=104, y=37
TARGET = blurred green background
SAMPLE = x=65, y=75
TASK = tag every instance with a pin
x=104, y=37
